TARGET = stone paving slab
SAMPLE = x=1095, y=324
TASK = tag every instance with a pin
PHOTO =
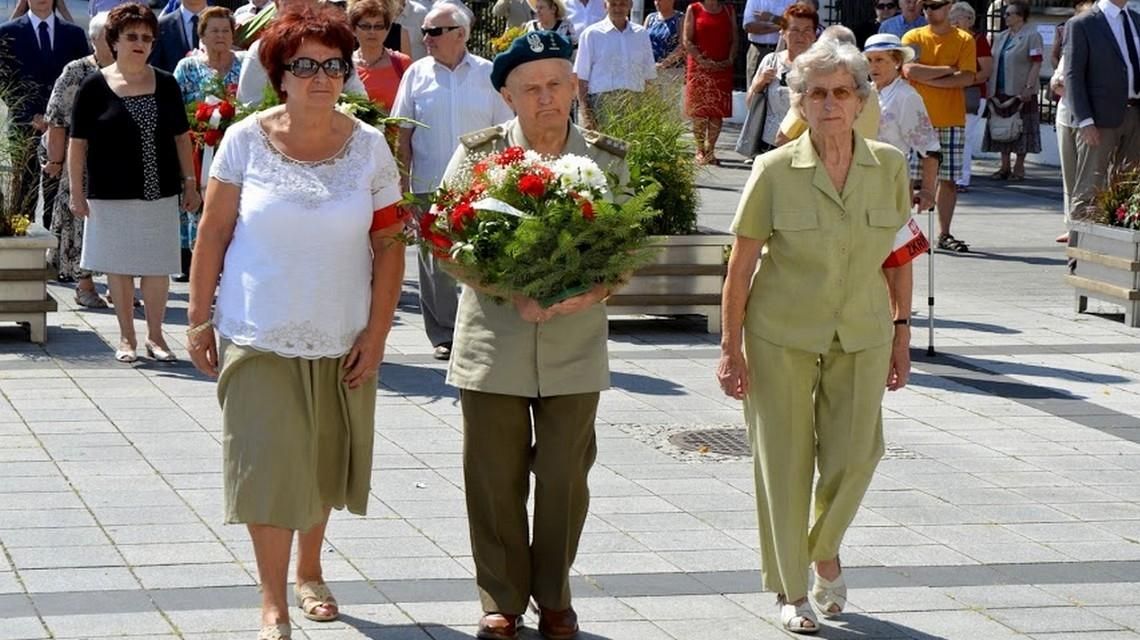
x=1006, y=506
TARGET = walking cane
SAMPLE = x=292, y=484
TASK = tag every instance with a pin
x=930, y=286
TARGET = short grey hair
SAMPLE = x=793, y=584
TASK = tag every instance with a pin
x=462, y=15
x=825, y=57
x=838, y=33
x=963, y=8
x=96, y=25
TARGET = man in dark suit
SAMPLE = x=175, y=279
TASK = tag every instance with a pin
x=1102, y=82
x=177, y=35
x=33, y=51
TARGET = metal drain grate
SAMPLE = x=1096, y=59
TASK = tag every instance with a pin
x=725, y=442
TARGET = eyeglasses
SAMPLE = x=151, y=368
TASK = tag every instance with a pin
x=436, y=32
x=144, y=38
x=335, y=68
x=886, y=5
x=819, y=94
x=373, y=26
x=934, y=7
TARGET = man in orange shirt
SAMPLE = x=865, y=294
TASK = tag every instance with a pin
x=945, y=66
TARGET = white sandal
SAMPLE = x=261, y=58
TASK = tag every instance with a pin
x=281, y=631
x=797, y=617
x=316, y=595
x=829, y=596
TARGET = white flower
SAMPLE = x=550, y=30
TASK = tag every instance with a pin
x=578, y=173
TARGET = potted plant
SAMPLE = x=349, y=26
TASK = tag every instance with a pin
x=688, y=274
x=24, y=245
x=1104, y=246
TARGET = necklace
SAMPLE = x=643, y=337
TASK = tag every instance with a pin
x=365, y=63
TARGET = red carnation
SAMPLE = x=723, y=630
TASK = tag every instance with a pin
x=426, y=222
x=203, y=112
x=212, y=137
x=442, y=245
x=226, y=109
x=587, y=209
x=532, y=185
x=509, y=156
x=462, y=213
x=480, y=168
x=1121, y=213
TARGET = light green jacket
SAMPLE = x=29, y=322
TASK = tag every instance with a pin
x=496, y=351
x=820, y=274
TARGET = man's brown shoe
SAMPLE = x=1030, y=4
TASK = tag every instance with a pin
x=558, y=625
x=499, y=626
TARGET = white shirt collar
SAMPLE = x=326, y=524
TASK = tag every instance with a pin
x=1109, y=9
x=608, y=25
x=465, y=60
x=36, y=20
x=186, y=14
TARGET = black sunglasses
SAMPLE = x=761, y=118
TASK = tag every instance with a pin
x=934, y=6
x=436, y=32
x=888, y=5
x=335, y=68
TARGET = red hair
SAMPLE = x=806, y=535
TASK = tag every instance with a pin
x=803, y=11
x=284, y=36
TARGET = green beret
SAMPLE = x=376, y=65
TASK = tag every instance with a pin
x=536, y=45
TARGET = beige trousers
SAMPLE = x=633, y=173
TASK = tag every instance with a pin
x=1117, y=146
x=807, y=411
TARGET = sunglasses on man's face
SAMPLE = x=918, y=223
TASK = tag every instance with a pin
x=335, y=68
x=436, y=32
x=144, y=38
x=886, y=6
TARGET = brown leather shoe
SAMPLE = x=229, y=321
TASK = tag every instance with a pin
x=558, y=625
x=499, y=626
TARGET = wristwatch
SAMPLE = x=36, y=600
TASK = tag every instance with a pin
x=902, y=322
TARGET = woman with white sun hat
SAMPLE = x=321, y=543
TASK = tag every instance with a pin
x=903, y=121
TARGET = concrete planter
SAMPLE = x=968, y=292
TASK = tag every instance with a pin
x=1107, y=267
x=686, y=279
x=23, y=281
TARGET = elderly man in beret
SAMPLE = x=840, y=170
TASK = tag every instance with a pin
x=530, y=374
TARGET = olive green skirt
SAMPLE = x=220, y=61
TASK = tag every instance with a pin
x=296, y=439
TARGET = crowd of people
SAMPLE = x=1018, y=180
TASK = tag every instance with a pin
x=848, y=129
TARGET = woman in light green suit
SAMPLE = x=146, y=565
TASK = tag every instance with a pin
x=811, y=341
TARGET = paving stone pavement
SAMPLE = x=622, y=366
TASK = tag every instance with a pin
x=1006, y=506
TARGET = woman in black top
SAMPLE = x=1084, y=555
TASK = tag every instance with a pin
x=129, y=135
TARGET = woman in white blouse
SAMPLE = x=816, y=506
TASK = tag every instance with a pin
x=300, y=223
x=903, y=121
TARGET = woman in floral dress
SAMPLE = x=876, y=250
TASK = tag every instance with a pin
x=64, y=224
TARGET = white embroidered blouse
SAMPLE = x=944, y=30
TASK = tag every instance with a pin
x=297, y=275
x=904, y=122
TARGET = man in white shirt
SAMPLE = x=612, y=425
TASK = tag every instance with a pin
x=584, y=13
x=613, y=55
x=253, y=79
x=761, y=23
x=411, y=18
x=450, y=93
x=249, y=11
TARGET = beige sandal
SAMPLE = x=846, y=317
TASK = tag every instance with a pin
x=315, y=595
x=281, y=631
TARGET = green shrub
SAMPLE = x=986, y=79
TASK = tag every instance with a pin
x=659, y=153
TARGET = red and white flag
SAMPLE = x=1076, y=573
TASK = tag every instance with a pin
x=909, y=244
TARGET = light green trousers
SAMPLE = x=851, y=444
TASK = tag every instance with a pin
x=806, y=411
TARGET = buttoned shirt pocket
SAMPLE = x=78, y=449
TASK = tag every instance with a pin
x=883, y=217
x=795, y=220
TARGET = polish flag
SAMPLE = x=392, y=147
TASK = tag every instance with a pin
x=909, y=244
